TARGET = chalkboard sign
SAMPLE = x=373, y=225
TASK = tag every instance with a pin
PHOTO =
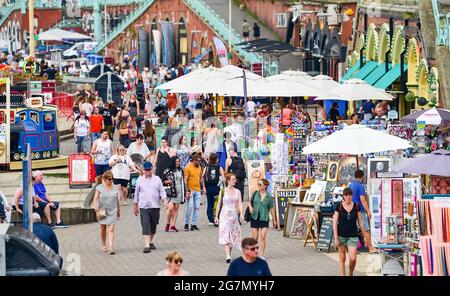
x=326, y=234
x=282, y=197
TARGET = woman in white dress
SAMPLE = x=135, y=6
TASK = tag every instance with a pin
x=211, y=135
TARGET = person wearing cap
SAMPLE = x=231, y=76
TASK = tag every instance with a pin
x=81, y=132
x=147, y=199
x=45, y=203
x=45, y=233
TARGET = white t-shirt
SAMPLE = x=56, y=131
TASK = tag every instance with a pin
x=235, y=130
x=121, y=170
x=132, y=149
x=251, y=106
x=82, y=126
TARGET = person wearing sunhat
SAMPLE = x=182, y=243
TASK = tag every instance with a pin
x=147, y=199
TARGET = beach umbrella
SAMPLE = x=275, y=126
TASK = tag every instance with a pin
x=189, y=78
x=294, y=73
x=284, y=88
x=434, y=116
x=355, y=140
x=356, y=90
x=436, y=163
x=323, y=82
x=288, y=77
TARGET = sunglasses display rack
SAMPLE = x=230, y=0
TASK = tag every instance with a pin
x=298, y=160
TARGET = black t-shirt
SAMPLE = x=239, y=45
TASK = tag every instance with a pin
x=108, y=115
x=333, y=115
x=347, y=221
x=51, y=74
x=241, y=268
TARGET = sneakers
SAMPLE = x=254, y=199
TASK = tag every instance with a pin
x=61, y=225
x=211, y=224
x=152, y=246
x=228, y=259
x=186, y=227
x=173, y=229
x=194, y=227
x=50, y=225
x=147, y=250
x=167, y=227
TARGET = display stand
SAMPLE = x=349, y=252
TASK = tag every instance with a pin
x=282, y=198
x=298, y=160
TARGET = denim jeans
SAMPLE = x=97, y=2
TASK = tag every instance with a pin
x=193, y=202
x=94, y=136
x=82, y=144
x=211, y=192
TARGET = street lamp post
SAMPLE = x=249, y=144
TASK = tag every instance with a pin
x=229, y=29
x=32, y=42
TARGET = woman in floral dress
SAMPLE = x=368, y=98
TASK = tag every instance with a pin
x=229, y=206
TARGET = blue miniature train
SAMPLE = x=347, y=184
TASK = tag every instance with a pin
x=37, y=126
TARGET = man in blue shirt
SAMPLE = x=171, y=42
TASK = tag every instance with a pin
x=45, y=233
x=46, y=204
x=249, y=264
x=359, y=197
x=368, y=108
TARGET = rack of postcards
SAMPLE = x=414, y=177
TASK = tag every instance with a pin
x=299, y=162
x=318, y=163
x=280, y=155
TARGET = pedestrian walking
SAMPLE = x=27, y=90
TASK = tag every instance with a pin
x=246, y=30
x=346, y=231
x=235, y=164
x=133, y=108
x=107, y=199
x=124, y=134
x=212, y=144
x=256, y=31
x=174, y=261
x=81, y=132
x=192, y=177
x=147, y=198
x=183, y=151
x=261, y=204
x=212, y=177
x=102, y=150
x=228, y=211
x=175, y=191
x=109, y=114
x=146, y=78
x=121, y=165
x=249, y=264
x=96, y=125
x=87, y=106
x=162, y=158
x=139, y=147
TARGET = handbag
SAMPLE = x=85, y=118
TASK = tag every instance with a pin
x=101, y=214
x=247, y=215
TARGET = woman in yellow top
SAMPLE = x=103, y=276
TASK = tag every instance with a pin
x=261, y=203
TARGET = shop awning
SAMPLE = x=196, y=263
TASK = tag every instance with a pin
x=376, y=74
x=366, y=70
x=390, y=77
x=350, y=72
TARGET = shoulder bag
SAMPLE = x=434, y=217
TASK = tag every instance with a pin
x=247, y=215
x=101, y=214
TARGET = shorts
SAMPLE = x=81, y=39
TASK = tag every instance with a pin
x=348, y=241
x=365, y=221
x=246, y=34
x=43, y=204
x=149, y=220
x=121, y=182
x=259, y=224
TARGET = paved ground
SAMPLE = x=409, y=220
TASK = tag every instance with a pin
x=200, y=250
x=287, y=62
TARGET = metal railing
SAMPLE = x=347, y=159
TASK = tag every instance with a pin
x=442, y=22
x=126, y=22
x=221, y=28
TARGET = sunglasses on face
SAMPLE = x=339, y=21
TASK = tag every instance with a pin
x=253, y=248
x=109, y=179
x=260, y=184
x=177, y=261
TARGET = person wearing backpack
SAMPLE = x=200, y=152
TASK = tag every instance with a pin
x=211, y=176
x=235, y=165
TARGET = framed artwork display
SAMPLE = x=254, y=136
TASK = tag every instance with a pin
x=347, y=168
x=378, y=165
x=332, y=171
x=397, y=197
x=301, y=220
x=311, y=197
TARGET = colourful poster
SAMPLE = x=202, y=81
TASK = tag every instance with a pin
x=221, y=50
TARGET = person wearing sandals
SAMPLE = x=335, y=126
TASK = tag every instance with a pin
x=261, y=204
x=174, y=178
x=345, y=230
x=107, y=197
